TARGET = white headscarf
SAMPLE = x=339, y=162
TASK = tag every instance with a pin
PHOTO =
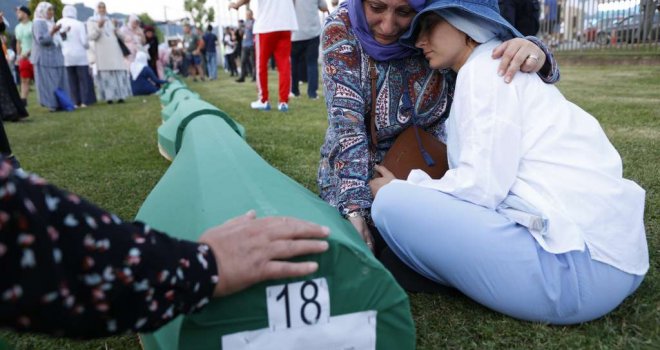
x=41, y=11
x=133, y=18
x=141, y=61
x=69, y=11
x=40, y=15
x=97, y=17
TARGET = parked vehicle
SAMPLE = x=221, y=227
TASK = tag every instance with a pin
x=590, y=33
x=626, y=30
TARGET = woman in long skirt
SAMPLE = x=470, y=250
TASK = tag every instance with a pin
x=113, y=82
x=74, y=49
x=11, y=106
x=47, y=58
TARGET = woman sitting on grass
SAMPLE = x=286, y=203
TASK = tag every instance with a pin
x=533, y=219
x=144, y=80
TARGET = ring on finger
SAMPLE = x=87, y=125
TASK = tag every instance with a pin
x=534, y=57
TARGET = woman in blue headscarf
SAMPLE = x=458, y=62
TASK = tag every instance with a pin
x=534, y=218
x=364, y=33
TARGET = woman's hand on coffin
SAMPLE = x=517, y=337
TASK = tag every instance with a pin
x=250, y=250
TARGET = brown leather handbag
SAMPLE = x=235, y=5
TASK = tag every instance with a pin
x=414, y=148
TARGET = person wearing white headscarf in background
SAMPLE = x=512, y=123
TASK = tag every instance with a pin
x=112, y=79
x=144, y=80
x=133, y=37
x=74, y=47
x=47, y=56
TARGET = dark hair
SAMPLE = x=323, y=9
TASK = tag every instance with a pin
x=25, y=10
x=209, y=28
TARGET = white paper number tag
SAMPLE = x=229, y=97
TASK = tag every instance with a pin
x=356, y=331
x=299, y=304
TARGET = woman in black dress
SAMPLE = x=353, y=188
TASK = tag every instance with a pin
x=11, y=106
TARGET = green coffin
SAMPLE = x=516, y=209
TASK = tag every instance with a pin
x=170, y=133
x=168, y=93
x=216, y=176
x=173, y=105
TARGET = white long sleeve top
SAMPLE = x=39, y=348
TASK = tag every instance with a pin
x=525, y=151
x=74, y=48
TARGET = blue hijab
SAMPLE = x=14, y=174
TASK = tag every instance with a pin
x=376, y=50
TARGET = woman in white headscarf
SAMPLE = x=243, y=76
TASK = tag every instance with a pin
x=113, y=83
x=144, y=80
x=133, y=36
x=47, y=58
x=74, y=46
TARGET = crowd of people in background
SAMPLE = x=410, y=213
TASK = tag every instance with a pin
x=77, y=63
x=72, y=63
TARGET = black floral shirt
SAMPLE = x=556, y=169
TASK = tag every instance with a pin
x=68, y=268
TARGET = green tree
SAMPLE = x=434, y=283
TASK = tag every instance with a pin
x=57, y=6
x=199, y=13
x=148, y=21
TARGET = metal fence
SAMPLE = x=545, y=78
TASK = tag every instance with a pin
x=601, y=24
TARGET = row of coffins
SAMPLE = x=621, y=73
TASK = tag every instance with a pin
x=351, y=302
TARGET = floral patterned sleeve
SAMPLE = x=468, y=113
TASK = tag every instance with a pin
x=347, y=141
x=71, y=269
x=549, y=73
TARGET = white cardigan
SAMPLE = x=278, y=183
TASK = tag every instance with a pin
x=107, y=54
x=74, y=47
x=524, y=150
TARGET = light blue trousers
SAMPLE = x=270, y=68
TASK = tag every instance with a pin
x=493, y=260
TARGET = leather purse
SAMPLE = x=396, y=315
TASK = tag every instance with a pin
x=125, y=51
x=414, y=148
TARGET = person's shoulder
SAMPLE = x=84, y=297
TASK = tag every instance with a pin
x=339, y=17
x=337, y=26
x=481, y=62
x=481, y=68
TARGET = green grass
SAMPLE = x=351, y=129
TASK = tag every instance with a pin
x=109, y=154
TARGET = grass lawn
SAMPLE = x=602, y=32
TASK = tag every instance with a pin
x=108, y=153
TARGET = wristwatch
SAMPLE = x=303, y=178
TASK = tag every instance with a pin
x=363, y=213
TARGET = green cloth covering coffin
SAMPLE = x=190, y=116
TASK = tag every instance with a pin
x=173, y=105
x=170, y=90
x=351, y=302
x=170, y=133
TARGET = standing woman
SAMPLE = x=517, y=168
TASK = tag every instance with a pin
x=47, y=58
x=152, y=50
x=229, y=40
x=113, y=82
x=11, y=106
x=74, y=49
x=133, y=36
